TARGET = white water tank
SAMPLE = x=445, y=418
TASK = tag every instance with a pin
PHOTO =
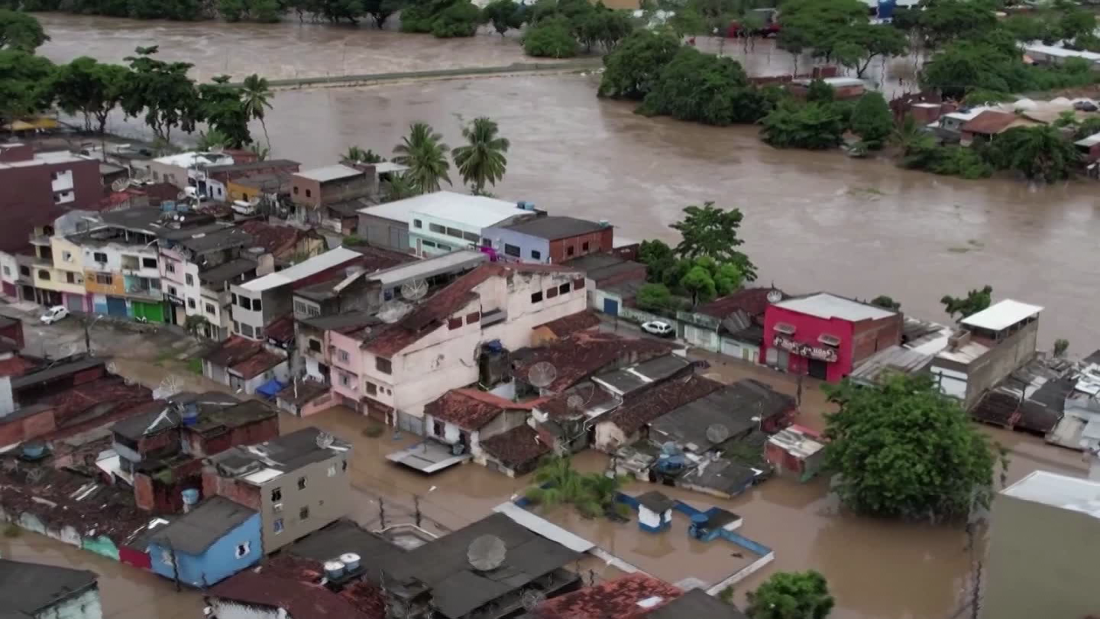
x=350, y=561
x=334, y=569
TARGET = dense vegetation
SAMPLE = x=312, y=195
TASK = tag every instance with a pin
x=791, y=595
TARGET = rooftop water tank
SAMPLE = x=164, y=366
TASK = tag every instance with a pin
x=334, y=569
x=190, y=498
x=190, y=414
x=350, y=561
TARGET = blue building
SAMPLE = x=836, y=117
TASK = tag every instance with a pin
x=215, y=540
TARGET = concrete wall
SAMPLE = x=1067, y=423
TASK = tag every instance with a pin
x=84, y=605
x=382, y=232
x=525, y=243
x=1042, y=562
x=326, y=495
x=994, y=366
x=228, y=609
x=33, y=185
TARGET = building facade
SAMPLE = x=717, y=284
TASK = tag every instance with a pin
x=47, y=179
x=826, y=336
x=551, y=239
x=443, y=221
x=203, y=547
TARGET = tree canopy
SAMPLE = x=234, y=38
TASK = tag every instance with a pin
x=712, y=232
x=791, y=595
x=705, y=88
x=871, y=119
x=20, y=31
x=974, y=302
x=504, y=15
x=906, y=450
x=813, y=126
x=1038, y=153
x=424, y=152
x=24, y=83
x=87, y=87
x=550, y=38
x=482, y=160
x=633, y=68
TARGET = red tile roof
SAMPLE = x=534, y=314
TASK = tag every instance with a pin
x=516, y=447
x=293, y=583
x=568, y=325
x=470, y=409
x=431, y=315
x=752, y=301
x=585, y=353
x=275, y=239
x=16, y=366
x=281, y=329
x=257, y=364
x=616, y=599
x=557, y=407
x=989, y=122
x=232, y=351
x=659, y=400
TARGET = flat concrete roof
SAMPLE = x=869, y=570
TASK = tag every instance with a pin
x=825, y=305
x=474, y=211
x=1001, y=315
x=327, y=260
x=329, y=173
x=1072, y=493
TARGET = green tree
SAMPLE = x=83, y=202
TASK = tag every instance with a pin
x=699, y=284
x=256, y=100
x=658, y=258
x=89, y=88
x=820, y=92
x=220, y=104
x=460, y=19
x=819, y=25
x=654, y=297
x=727, y=279
x=1077, y=22
x=910, y=136
x=862, y=43
x=974, y=302
x=592, y=494
x=791, y=595
x=424, y=152
x=705, y=88
x=355, y=155
x=603, y=27
x=399, y=187
x=24, y=84
x=381, y=10
x=886, y=302
x=232, y=10
x=482, y=159
x=266, y=11
x=814, y=126
x=1088, y=127
x=163, y=91
x=713, y=232
x=20, y=31
x=213, y=140
x=1060, y=347
x=943, y=21
x=871, y=119
x=633, y=67
x=504, y=15
x=906, y=450
x=1039, y=153
x=550, y=38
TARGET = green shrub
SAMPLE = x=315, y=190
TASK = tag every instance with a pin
x=814, y=126
x=550, y=38
x=461, y=19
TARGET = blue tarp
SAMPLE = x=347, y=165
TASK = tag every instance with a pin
x=270, y=388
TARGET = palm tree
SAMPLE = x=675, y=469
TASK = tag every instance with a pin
x=212, y=140
x=482, y=160
x=255, y=96
x=910, y=136
x=355, y=154
x=262, y=152
x=424, y=152
x=399, y=187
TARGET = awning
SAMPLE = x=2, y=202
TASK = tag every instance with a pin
x=270, y=388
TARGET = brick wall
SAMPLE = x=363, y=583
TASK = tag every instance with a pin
x=214, y=485
x=14, y=332
x=31, y=186
x=637, y=274
x=157, y=442
x=599, y=241
x=250, y=434
x=871, y=336
x=26, y=428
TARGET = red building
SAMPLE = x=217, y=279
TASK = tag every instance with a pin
x=47, y=180
x=825, y=336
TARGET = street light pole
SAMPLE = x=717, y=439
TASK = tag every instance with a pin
x=87, y=334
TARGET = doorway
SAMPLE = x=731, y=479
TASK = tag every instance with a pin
x=819, y=369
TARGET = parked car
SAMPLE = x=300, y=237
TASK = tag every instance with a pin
x=54, y=314
x=659, y=328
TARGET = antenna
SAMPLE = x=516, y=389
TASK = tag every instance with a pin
x=531, y=598
x=324, y=440
x=774, y=296
x=486, y=553
x=717, y=433
x=393, y=311
x=542, y=374
x=414, y=289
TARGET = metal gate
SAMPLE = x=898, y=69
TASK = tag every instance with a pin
x=116, y=306
x=410, y=423
x=75, y=303
x=610, y=306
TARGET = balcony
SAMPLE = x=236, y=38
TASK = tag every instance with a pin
x=491, y=318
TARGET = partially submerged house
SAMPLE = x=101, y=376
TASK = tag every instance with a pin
x=728, y=413
x=36, y=591
x=210, y=543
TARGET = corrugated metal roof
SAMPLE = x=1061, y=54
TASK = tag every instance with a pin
x=327, y=260
x=329, y=173
x=1001, y=315
x=825, y=305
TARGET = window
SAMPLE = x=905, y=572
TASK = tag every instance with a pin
x=454, y=323
x=210, y=309
x=170, y=267
x=343, y=356
x=43, y=274
x=578, y=283
x=236, y=326
x=564, y=288
x=314, y=345
x=278, y=525
x=570, y=250
x=234, y=301
x=149, y=263
x=417, y=223
x=536, y=254
x=99, y=256
x=301, y=483
x=537, y=297
x=276, y=495
x=584, y=246
x=303, y=514
x=242, y=550
x=247, y=330
x=70, y=278
x=103, y=278
x=442, y=247
x=438, y=428
x=511, y=250
x=256, y=305
x=172, y=290
x=295, y=190
x=67, y=256
x=551, y=293
x=244, y=302
x=427, y=243
x=345, y=380
x=383, y=365
x=191, y=303
x=473, y=317
x=471, y=237
x=309, y=193
x=189, y=279
x=25, y=271
x=343, y=465
x=455, y=232
x=438, y=229
x=372, y=389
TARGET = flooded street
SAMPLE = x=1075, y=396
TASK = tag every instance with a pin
x=813, y=221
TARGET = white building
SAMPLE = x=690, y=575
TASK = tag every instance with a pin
x=445, y=221
x=187, y=169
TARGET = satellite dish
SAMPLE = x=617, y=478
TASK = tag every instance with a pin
x=486, y=553
x=393, y=311
x=324, y=440
x=531, y=598
x=170, y=386
x=774, y=296
x=574, y=402
x=542, y=374
x=120, y=184
x=112, y=368
x=414, y=290
x=35, y=475
x=718, y=433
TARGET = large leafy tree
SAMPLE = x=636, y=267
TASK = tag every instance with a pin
x=906, y=450
x=424, y=152
x=871, y=119
x=815, y=126
x=482, y=160
x=943, y=21
x=1039, y=153
x=974, y=302
x=712, y=232
x=256, y=100
x=20, y=31
x=791, y=595
x=705, y=88
x=550, y=38
x=89, y=88
x=860, y=44
x=355, y=154
x=699, y=284
x=24, y=84
x=220, y=104
x=162, y=91
x=819, y=25
x=381, y=10
x=633, y=67
x=504, y=15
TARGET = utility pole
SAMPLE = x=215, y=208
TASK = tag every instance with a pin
x=416, y=505
x=382, y=511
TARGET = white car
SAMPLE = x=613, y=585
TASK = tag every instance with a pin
x=54, y=314
x=658, y=328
